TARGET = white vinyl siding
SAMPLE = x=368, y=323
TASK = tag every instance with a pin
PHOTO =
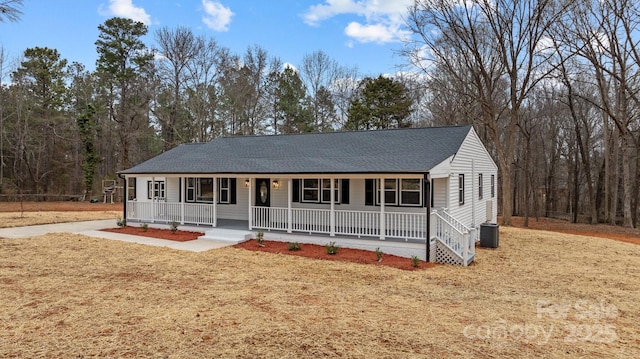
x=471, y=160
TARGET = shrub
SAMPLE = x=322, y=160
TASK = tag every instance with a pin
x=294, y=246
x=173, y=225
x=378, y=254
x=144, y=227
x=415, y=261
x=260, y=238
x=121, y=222
x=332, y=248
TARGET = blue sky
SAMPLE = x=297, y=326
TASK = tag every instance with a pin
x=362, y=33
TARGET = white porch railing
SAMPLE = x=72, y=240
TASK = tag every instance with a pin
x=406, y=225
x=157, y=211
x=358, y=223
x=444, y=228
x=449, y=233
x=352, y=223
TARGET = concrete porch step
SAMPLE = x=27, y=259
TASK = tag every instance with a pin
x=227, y=235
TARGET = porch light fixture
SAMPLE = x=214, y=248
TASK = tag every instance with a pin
x=275, y=184
x=246, y=183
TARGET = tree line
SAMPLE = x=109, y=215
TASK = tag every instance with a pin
x=63, y=126
x=552, y=87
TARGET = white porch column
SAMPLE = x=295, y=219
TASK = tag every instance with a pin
x=250, y=200
x=289, y=201
x=153, y=199
x=383, y=224
x=215, y=201
x=183, y=188
x=332, y=212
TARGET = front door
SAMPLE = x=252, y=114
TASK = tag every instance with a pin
x=263, y=193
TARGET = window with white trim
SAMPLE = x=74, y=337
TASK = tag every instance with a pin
x=411, y=192
x=316, y=190
x=401, y=191
x=493, y=186
x=204, y=190
x=326, y=190
x=155, y=190
x=480, y=186
x=310, y=190
x=191, y=189
x=200, y=190
x=461, y=188
x=390, y=189
x=224, y=189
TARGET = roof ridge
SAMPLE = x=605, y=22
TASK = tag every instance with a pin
x=343, y=132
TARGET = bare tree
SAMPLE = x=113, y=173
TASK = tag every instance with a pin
x=10, y=10
x=603, y=33
x=177, y=49
x=319, y=71
x=494, y=41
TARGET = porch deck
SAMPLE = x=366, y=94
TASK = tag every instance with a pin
x=402, y=234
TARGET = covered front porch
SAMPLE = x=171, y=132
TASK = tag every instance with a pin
x=403, y=234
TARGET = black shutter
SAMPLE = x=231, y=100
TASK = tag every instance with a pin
x=295, y=190
x=345, y=191
x=179, y=189
x=232, y=191
x=369, y=186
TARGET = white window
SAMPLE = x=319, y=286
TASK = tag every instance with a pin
x=493, y=186
x=310, y=190
x=410, y=192
x=204, y=190
x=191, y=189
x=155, y=189
x=390, y=189
x=224, y=188
x=480, y=186
x=316, y=190
x=326, y=191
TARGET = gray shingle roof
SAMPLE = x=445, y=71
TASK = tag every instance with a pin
x=410, y=150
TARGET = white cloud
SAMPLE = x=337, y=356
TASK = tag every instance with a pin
x=379, y=33
x=217, y=16
x=383, y=18
x=126, y=9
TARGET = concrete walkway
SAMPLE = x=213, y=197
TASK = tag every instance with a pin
x=93, y=229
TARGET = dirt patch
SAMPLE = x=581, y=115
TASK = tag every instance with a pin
x=61, y=206
x=622, y=234
x=178, y=236
x=18, y=219
x=344, y=254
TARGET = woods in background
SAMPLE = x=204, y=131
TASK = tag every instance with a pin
x=552, y=87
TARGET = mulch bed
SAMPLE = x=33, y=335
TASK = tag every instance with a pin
x=179, y=236
x=307, y=250
x=344, y=254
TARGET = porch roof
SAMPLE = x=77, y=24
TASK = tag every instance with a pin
x=407, y=150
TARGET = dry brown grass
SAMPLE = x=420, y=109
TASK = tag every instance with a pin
x=15, y=219
x=71, y=295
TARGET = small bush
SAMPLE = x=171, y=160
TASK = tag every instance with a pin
x=332, y=248
x=144, y=227
x=260, y=238
x=121, y=222
x=415, y=261
x=173, y=225
x=379, y=254
x=294, y=246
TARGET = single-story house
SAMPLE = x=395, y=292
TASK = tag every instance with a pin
x=427, y=188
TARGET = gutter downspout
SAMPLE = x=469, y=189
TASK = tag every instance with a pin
x=427, y=201
x=125, y=196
